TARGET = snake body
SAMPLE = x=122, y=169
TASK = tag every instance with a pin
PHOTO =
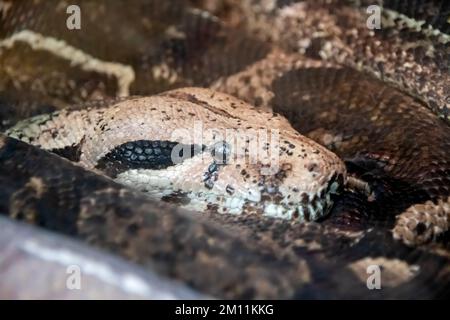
x=295, y=177
x=378, y=99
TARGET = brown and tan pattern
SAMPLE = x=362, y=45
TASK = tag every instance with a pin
x=378, y=99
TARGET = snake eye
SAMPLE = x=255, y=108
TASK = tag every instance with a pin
x=146, y=154
x=221, y=152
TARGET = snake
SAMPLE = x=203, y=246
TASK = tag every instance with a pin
x=362, y=151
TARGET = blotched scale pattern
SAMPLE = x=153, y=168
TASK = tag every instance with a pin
x=145, y=154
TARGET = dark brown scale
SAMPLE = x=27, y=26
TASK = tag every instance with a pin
x=179, y=198
x=71, y=153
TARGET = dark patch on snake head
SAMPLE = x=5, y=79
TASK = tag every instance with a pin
x=211, y=175
x=306, y=213
x=71, y=153
x=193, y=99
x=229, y=189
x=146, y=154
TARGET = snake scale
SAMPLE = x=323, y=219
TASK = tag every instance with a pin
x=364, y=155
